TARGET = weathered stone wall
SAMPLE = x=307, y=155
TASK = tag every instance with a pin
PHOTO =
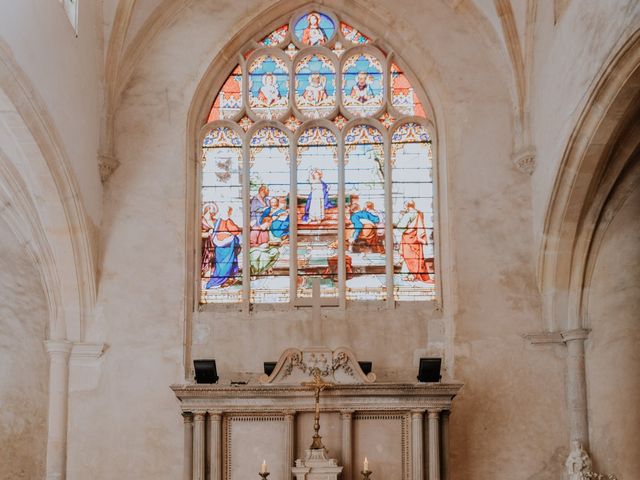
x=23, y=363
x=613, y=347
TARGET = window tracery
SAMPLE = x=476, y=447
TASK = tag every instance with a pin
x=317, y=163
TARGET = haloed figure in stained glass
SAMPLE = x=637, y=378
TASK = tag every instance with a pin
x=314, y=34
x=414, y=239
x=362, y=91
x=225, y=237
x=318, y=199
x=315, y=92
x=269, y=93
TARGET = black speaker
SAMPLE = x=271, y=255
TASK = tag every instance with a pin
x=429, y=370
x=206, y=371
x=366, y=367
x=269, y=367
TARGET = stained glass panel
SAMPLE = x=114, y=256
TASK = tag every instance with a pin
x=365, y=219
x=276, y=37
x=268, y=86
x=412, y=199
x=269, y=180
x=221, y=218
x=228, y=102
x=353, y=35
x=362, y=84
x=403, y=95
x=315, y=86
x=314, y=29
x=317, y=212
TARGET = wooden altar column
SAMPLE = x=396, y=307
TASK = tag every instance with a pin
x=188, y=446
x=289, y=443
x=347, y=444
x=434, y=444
x=199, y=457
x=417, y=445
x=215, y=445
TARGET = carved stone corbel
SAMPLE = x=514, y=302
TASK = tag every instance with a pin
x=108, y=164
x=525, y=159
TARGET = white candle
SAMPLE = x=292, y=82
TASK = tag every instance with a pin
x=365, y=467
x=263, y=467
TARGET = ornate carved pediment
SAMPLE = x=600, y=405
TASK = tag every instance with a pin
x=334, y=366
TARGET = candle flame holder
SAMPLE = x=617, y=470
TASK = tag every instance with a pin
x=366, y=474
x=264, y=475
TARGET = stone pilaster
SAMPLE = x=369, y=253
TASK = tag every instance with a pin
x=417, y=445
x=289, y=442
x=347, y=444
x=215, y=445
x=187, y=467
x=199, y=445
x=434, y=444
x=577, y=386
x=58, y=351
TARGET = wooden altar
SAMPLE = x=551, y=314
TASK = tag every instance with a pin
x=402, y=428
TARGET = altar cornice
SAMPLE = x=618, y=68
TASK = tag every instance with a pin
x=280, y=398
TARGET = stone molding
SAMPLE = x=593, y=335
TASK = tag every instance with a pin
x=58, y=347
x=556, y=338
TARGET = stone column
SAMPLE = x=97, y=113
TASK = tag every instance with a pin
x=434, y=444
x=347, y=444
x=199, y=445
x=289, y=443
x=215, y=446
x=444, y=454
x=58, y=351
x=417, y=445
x=577, y=386
x=188, y=446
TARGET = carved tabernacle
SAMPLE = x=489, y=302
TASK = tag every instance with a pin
x=230, y=429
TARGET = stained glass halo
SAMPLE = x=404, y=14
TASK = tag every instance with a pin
x=246, y=93
x=301, y=56
x=345, y=59
x=324, y=16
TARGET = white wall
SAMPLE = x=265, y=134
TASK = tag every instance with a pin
x=23, y=363
x=66, y=72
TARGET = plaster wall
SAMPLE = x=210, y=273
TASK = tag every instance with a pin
x=613, y=347
x=128, y=425
x=568, y=58
x=23, y=363
x=66, y=72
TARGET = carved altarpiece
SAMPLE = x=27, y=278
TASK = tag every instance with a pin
x=401, y=427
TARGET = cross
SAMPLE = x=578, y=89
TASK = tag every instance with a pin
x=316, y=302
x=318, y=385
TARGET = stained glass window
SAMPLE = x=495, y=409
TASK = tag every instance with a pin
x=317, y=163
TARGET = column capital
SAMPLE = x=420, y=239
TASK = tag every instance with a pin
x=61, y=347
x=215, y=415
x=434, y=412
x=199, y=415
x=346, y=414
x=576, y=334
x=289, y=414
x=187, y=417
x=417, y=414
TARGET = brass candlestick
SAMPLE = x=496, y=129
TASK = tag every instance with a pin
x=366, y=474
x=264, y=475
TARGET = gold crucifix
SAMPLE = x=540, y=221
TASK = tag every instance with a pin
x=318, y=385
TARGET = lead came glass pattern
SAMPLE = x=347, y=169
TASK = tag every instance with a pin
x=221, y=217
x=315, y=122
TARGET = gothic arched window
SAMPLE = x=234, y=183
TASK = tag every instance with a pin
x=317, y=163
